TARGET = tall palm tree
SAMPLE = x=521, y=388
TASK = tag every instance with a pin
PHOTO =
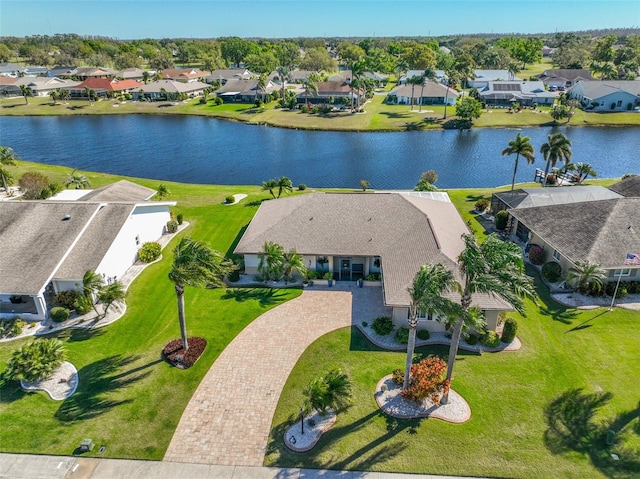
x=584, y=170
x=520, y=146
x=8, y=157
x=496, y=268
x=557, y=148
x=284, y=184
x=261, y=85
x=26, y=92
x=357, y=69
x=78, y=180
x=293, y=262
x=413, y=81
x=426, y=295
x=271, y=261
x=283, y=74
x=309, y=88
x=587, y=276
x=269, y=186
x=196, y=265
x=428, y=75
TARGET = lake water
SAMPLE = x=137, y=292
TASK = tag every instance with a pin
x=206, y=150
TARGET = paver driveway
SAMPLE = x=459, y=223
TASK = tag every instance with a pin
x=228, y=419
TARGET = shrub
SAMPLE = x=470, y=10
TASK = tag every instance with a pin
x=423, y=334
x=509, y=331
x=328, y=276
x=218, y=101
x=552, y=271
x=490, y=339
x=83, y=304
x=365, y=324
x=257, y=103
x=33, y=184
x=304, y=109
x=59, y=314
x=428, y=380
x=501, y=220
x=536, y=255
x=311, y=274
x=172, y=226
x=11, y=327
x=149, y=252
x=65, y=298
x=430, y=176
x=234, y=276
x=229, y=199
x=482, y=205
x=302, y=187
x=179, y=218
x=402, y=335
x=36, y=360
x=398, y=376
x=382, y=325
x=471, y=339
x=315, y=110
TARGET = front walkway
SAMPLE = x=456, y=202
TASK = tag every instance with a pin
x=228, y=419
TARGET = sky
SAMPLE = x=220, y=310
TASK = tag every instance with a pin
x=309, y=18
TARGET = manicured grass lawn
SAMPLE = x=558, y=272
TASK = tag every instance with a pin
x=129, y=399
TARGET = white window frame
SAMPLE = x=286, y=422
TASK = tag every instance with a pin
x=621, y=272
x=556, y=255
x=428, y=317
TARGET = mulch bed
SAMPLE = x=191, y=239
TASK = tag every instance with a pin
x=178, y=357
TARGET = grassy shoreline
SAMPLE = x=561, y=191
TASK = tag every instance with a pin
x=378, y=116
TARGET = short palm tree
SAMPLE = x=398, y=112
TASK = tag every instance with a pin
x=425, y=293
x=111, y=293
x=269, y=186
x=496, y=268
x=557, y=148
x=8, y=157
x=91, y=284
x=521, y=146
x=78, y=180
x=333, y=390
x=54, y=96
x=36, y=360
x=587, y=276
x=293, y=262
x=26, y=92
x=284, y=184
x=271, y=261
x=196, y=265
x=162, y=191
x=584, y=170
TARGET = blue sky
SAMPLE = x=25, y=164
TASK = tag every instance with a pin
x=309, y=18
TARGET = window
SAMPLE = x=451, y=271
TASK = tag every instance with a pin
x=619, y=104
x=622, y=272
x=556, y=255
x=425, y=315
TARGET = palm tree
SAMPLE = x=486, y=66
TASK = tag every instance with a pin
x=111, y=293
x=587, y=275
x=413, y=81
x=284, y=184
x=357, y=69
x=426, y=295
x=269, y=186
x=8, y=157
x=26, y=92
x=333, y=390
x=283, y=74
x=584, y=170
x=78, y=180
x=429, y=75
x=196, y=265
x=520, y=146
x=145, y=77
x=271, y=261
x=557, y=148
x=261, y=85
x=495, y=268
x=91, y=284
x=293, y=262
x=162, y=191
x=309, y=88
x=54, y=96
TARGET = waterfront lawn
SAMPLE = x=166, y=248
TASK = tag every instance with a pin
x=592, y=352
x=129, y=399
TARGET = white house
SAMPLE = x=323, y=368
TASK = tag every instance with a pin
x=607, y=95
x=440, y=75
x=49, y=245
x=522, y=92
x=483, y=77
x=428, y=94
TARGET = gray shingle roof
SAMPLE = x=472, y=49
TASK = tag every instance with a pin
x=122, y=190
x=597, y=231
x=35, y=238
x=405, y=231
x=597, y=88
x=529, y=197
x=431, y=89
x=629, y=187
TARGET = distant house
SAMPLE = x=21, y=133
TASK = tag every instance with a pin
x=601, y=232
x=351, y=236
x=223, y=76
x=49, y=245
x=440, y=75
x=40, y=86
x=629, y=187
x=61, y=71
x=344, y=76
x=130, y=74
x=525, y=93
x=431, y=94
x=483, y=77
x=244, y=90
x=8, y=86
x=329, y=92
x=94, y=72
x=184, y=75
x=11, y=69
x=300, y=76
x=166, y=89
x=547, y=51
x=607, y=95
x=104, y=87
x=564, y=78
x=35, y=71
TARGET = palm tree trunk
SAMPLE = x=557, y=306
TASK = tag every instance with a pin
x=413, y=86
x=546, y=172
x=421, y=95
x=515, y=169
x=453, y=350
x=446, y=100
x=181, y=317
x=413, y=326
x=4, y=184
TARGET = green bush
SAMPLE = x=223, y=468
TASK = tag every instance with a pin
x=83, y=304
x=59, y=314
x=234, y=276
x=218, y=101
x=229, y=199
x=65, y=298
x=304, y=109
x=302, y=187
x=398, y=376
x=36, y=360
x=311, y=274
x=482, y=205
x=509, y=331
x=501, y=220
x=11, y=327
x=552, y=271
x=490, y=339
x=149, y=252
x=402, y=335
x=257, y=103
x=382, y=325
x=471, y=339
x=179, y=218
x=328, y=276
x=423, y=334
x=172, y=226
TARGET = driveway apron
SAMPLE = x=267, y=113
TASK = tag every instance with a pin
x=228, y=419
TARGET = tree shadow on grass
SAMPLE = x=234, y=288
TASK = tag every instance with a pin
x=76, y=334
x=236, y=240
x=264, y=296
x=395, y=115
x=572, y=428
x=584, y=324
x=97, y=381
x=10, y=390
x=256, y=203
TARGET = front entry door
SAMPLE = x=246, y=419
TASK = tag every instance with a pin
x=345, y=269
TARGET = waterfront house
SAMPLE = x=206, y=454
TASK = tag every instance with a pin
x=329, y=92
x=525, y=93
x=40, y=86
x=104, y=87
x=629, y=187
x=352, y=236
x=244, y=90
x=162, y=90
x=607, y=95
x=431, y=94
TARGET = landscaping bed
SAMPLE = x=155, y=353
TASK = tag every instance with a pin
x=181, y=358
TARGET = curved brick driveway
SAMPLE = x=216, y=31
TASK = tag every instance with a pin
x=228, y=422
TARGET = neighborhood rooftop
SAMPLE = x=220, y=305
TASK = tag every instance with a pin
x=530, y=197
x=122, y=190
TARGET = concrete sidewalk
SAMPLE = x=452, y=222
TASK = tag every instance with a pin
x=20, y=466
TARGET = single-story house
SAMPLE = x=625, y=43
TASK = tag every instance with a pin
x=564, y=77
x=163, y=90
x=354, y=235
x=49, y=245
x=601, y=232
x=224, y=75
x=483, y=77
x=547, y=51
x=94, y=72
x=35, y=71
x=431, y=94
x=130, y=74
x=441, y=76
x=11, y=69
x=103, y=87
x=526, y=93
x=329, y=92
x=300, y=76
x=344, y=76
x=244, y=90
x=629, y=187
x=61, y=71
x=185, y=75
x=40, y=86
x=606, y=95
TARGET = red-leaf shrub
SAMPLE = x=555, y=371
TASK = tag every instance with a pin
x=536, y=255
x=428, y=380
x=180, y=358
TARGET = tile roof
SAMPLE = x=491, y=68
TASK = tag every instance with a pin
x=629, y=187
x=405, y=231
x=122, y=190
x=598, y=232
x=109, y=84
